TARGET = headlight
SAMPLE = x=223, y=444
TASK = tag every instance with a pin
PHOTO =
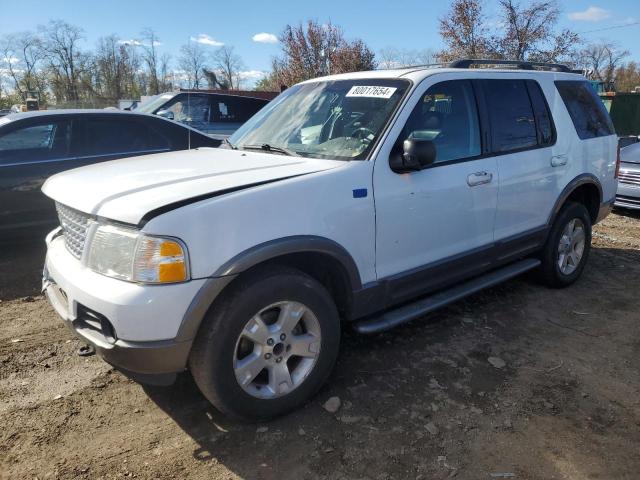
x=130, y=255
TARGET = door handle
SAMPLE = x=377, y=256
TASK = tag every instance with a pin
x=559, y=160
x=479, y=178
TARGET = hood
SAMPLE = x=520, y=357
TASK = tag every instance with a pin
x=127, y=189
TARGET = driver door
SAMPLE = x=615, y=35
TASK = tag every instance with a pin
x=435, y=226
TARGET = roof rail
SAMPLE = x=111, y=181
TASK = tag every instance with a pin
x=518, y=64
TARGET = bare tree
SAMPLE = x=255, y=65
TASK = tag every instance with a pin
x=391, y=57
x=167, y=78
x=21, y=56
x=601, y=60
x=66, y=61
x=228, y=66
x=627, y=77
x=193, y=61
x=149, y=43
x=115, y=67
x=530, y=32
x=316, y=49
x=464, y=32
x=527, y=32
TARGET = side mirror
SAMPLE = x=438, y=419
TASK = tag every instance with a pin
x=417, y=153
x=165, y=114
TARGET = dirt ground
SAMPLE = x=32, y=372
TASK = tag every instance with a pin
x=420, y=402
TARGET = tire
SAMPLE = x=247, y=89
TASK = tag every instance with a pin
x=232, y=344
x=551, y=271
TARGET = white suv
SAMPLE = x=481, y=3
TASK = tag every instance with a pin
x=370, y=198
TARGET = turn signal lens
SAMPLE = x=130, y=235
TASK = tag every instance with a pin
x=160, y=260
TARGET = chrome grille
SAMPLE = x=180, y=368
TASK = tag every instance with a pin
x=74, y=227
x=627, y=176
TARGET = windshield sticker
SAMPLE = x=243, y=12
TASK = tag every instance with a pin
x=374, y=92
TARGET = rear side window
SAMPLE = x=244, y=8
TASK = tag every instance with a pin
x=513, y=123
x=106, y=136
x=587, y=112
x=232, y=109
x=544, y=122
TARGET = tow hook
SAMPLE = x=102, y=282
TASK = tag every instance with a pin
x=86, y=351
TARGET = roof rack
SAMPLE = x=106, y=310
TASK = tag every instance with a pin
x=518, y=64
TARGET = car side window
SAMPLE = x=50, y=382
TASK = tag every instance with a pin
x=234, y=109
x=447, y=115
x=106, y=136
x=190, y=109
x=43, y=141
x=513, y=123
x=587, y=112
x=544, y=120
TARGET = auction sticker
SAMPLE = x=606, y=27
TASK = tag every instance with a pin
x=374, y=92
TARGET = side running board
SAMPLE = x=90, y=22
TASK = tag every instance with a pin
x=428, y=304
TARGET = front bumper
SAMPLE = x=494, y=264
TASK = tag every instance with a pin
x=133, y=327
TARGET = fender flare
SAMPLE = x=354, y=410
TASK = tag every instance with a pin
x=256, y=255
x=582, y=179
x=287, y=245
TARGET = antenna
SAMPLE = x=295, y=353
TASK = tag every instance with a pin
x=190, y=116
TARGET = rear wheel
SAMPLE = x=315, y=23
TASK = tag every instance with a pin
x=567, y=248
x=267, y=345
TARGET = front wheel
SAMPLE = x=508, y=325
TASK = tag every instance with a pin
x=267, y=345
x=567, y=248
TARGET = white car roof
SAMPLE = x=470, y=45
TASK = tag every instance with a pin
x=419, y=73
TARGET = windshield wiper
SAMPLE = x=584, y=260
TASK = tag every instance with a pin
x=271, y=148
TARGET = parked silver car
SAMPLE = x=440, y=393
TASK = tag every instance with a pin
x=628, y=195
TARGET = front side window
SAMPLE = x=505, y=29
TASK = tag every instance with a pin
x=191, y=109
x=513, y=123
x=339, y=119
x=37, y=142
x=448, y=116
x=153, y=104
x=588, y=113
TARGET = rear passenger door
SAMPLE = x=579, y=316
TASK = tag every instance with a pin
x=523, y=140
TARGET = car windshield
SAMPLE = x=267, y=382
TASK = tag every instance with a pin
x=152, y=104
x=339, y=119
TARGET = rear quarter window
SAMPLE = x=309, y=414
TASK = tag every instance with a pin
x=587, y=112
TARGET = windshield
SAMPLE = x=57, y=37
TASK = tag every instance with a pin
x=155, y=102
x=338, y=119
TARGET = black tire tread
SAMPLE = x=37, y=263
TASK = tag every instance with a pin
x=216, y=325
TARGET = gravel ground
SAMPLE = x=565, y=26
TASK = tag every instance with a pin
x=516, y=382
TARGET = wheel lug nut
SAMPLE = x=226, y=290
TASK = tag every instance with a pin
x=278, y=360
x=270, y=342
x=282, y=336
x=267, y=356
